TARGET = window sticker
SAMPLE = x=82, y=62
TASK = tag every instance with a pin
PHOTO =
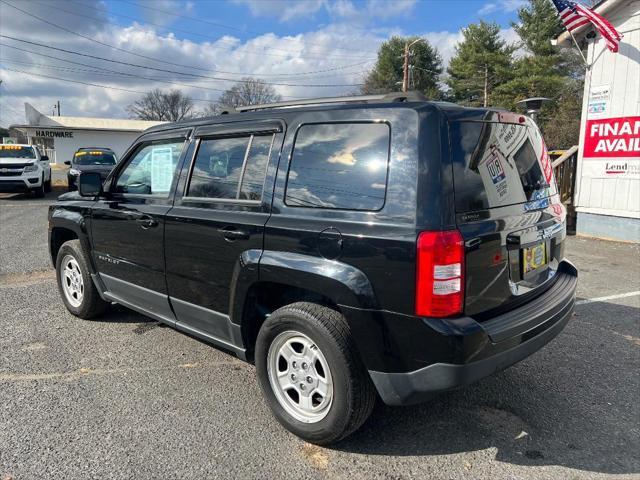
x=161, y=169
x=496, y=173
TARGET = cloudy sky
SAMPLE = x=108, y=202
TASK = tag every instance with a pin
x=306, y=48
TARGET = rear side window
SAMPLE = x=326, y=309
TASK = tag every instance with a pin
x=339, y=166
x=231, y=168
x=498, y=164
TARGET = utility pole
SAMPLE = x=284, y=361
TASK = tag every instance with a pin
x=58, y=107
x=486, y=85
x=405, y=70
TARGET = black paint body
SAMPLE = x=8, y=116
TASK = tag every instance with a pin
x=204, y=265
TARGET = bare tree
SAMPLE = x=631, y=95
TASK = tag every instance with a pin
x=248, y=91
x=170, y=106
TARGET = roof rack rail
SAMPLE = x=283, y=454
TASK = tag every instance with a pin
x=388, y=97
x=227, y=109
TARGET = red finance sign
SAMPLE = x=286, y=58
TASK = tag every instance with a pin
x=612, y=137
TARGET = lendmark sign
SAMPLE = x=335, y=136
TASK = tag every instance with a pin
x=613, y=137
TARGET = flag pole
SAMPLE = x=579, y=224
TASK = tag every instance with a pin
x=579, y=49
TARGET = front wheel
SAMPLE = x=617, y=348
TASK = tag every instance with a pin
x=311, y=374
x=76, y=287
x=39, y=191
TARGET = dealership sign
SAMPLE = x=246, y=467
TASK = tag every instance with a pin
x=612, y=148
x=613, y=137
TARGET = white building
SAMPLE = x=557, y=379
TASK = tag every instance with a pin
x=61, y=136
x=608, y=174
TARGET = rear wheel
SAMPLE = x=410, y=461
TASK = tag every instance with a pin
x=76, y=287
x=311, y=374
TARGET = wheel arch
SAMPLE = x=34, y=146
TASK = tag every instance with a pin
x=286, y=278
x=65, y=225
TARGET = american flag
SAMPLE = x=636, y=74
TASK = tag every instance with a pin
x=574, y=15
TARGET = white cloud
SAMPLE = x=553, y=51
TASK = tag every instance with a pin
x=286, y=10
x=488, y=8
x=283, y=9
x=502, y=5
x=389, y=8
x=272, y=57
x=343, y=8
x=275, y=58
x=154, y=10
x=445, y=42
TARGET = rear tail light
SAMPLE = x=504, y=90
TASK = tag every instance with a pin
x=440, y=274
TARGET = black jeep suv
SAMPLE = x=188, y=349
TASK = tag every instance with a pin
x=350, y=247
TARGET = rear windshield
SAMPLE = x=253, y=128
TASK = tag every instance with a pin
x=14, y=151
x=94, y=157
x=498, y=164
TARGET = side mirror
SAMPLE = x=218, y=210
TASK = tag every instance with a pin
x=44, y=158
x=67, y=162
x=89, y=184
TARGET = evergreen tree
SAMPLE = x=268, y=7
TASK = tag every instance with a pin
x=539, y=22
x=482, y=62
x=546, y=71
x=386, y=75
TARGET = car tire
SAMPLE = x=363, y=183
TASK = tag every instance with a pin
x=47, y=185
x=39, y=191
x=324, y=334
x=75, y=285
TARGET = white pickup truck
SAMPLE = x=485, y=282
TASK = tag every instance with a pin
x=23, y=168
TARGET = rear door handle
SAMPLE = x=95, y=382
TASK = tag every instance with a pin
x=233, y=234
x=146, y=221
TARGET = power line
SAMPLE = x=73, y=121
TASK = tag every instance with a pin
x=117, y=72
x=10, y=108
x=107, y=73
x=98, y=85
x=129, y=51
x=342, y=67
x=177, y=72
x=189, y=31
x=208, y=22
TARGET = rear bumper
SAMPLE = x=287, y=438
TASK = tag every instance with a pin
x=480, y=349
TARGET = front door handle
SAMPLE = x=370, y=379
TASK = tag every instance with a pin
x=146, y=221
x=232, y=235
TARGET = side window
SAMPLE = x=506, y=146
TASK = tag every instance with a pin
x=340, y=165
x=230, y=168
x=256, y=169
x=151, y=170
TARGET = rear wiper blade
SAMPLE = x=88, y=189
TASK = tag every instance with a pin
x=538, y=186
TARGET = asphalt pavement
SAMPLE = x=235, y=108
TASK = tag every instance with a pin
x=124, y=397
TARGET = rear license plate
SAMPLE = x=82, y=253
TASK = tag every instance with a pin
x=534, y=257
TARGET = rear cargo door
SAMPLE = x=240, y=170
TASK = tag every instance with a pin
x=507, y=209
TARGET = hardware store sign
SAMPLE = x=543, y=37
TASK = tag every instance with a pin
x=54, y=134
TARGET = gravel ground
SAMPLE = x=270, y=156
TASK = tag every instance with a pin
x=124, y=397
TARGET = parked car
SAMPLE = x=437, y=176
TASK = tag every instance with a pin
x=90, y=159
x=24, y=169
x=350, y=247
